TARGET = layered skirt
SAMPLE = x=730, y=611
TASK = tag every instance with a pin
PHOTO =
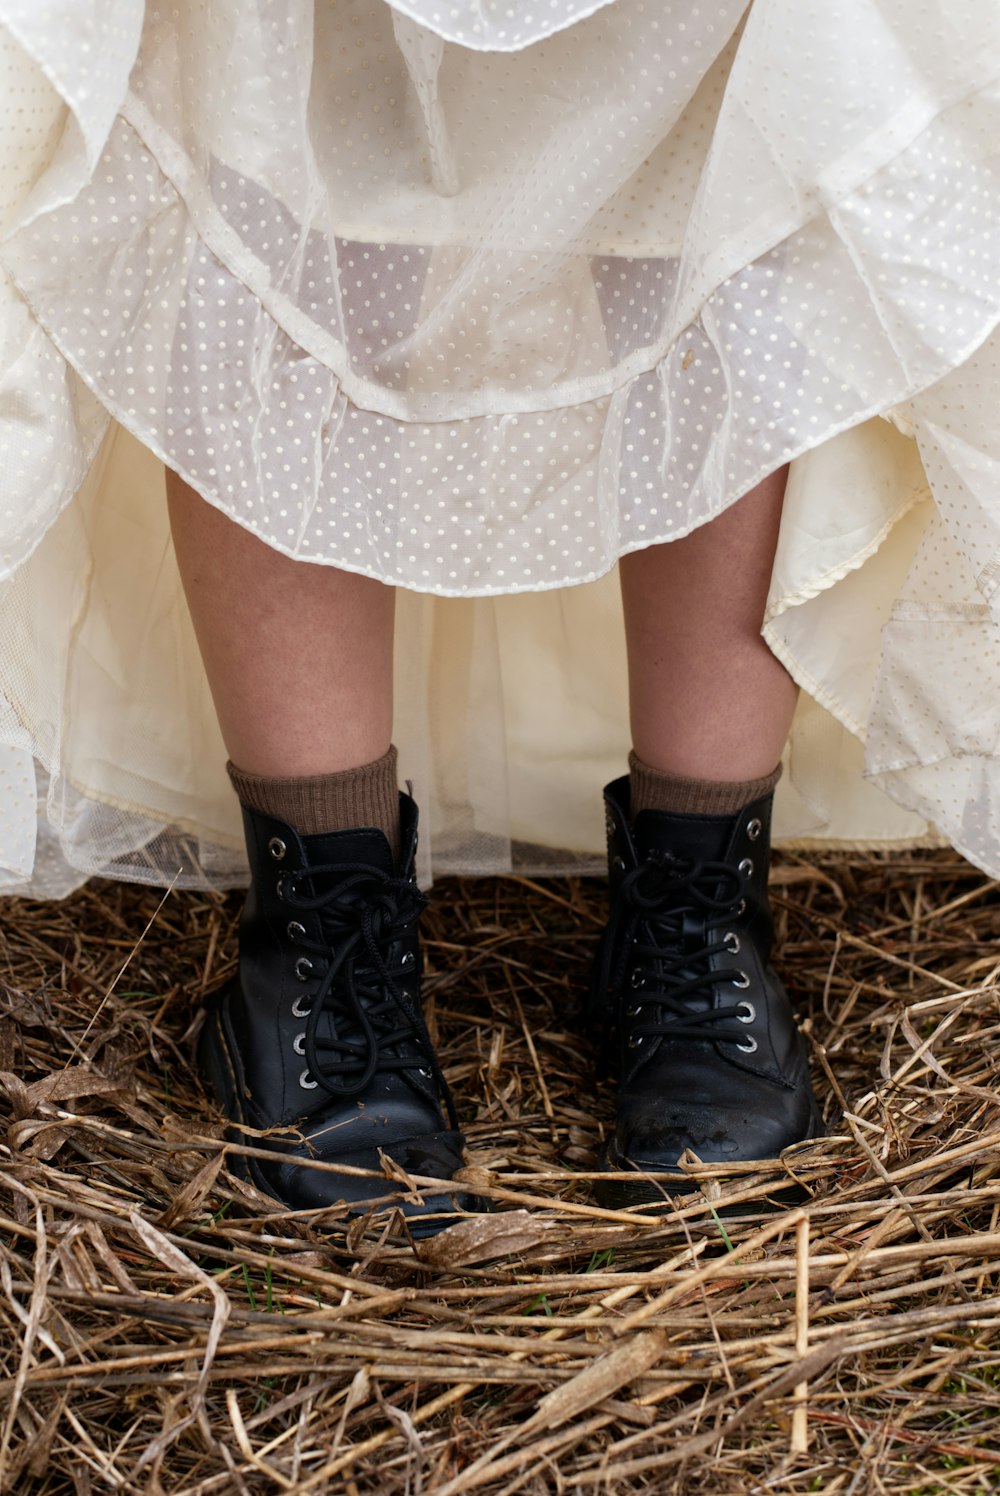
x=475, y=296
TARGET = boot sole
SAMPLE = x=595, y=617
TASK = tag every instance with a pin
x=642, y=1195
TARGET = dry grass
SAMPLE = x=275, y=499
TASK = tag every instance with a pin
x=164, y=1329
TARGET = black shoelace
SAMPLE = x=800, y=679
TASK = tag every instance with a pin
x=375, y=1026
x=668, y=920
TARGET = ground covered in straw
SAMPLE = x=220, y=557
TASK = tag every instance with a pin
x=163, y=1328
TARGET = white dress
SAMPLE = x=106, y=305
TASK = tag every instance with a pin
x=475, y=296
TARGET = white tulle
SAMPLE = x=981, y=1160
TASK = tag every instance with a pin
x=475, y=298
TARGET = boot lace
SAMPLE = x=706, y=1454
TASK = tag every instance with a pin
x=668, y=921
x=374, y=1025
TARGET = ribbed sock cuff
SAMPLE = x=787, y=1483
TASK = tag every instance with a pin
x=312, y=803
x=651, y=789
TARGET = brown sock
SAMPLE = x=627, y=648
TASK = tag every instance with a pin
x=366, y=796
x=651, y=789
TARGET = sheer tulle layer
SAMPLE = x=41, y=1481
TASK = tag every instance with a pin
x=478, y=322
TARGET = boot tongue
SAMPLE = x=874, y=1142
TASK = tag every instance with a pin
x=366, y=845
x=687, y=838
x=666, y=838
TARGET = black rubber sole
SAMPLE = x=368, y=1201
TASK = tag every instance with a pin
x=642, y=1195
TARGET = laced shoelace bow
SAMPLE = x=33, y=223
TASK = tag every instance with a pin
x=668, y=915
x=374, y=1020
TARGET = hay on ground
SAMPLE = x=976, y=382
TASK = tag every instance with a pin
x=164, y=1328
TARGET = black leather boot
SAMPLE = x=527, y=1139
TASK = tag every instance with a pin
x=710, y=1057
x=321, y=1033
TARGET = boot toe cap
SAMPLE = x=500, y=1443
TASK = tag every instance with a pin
x=435, y=1156
x=716, y=1134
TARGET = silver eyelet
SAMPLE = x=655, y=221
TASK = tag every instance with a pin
x=277, y=848
x=299, y=1043
x=298, y=1012
x=732, y=942
x=609, y=826
x=633, y=1011
x=638, y=977
x=754, y=828
x=407, y=958
x=749, y=1046
x=425, y=1073
x=617, y=865
x=295, y=930
x=306, y=1081
x=741, y=980
x=746, y=1012
x=636, y=1040
x=746, y=868
x=741, y=907
x=303, y=967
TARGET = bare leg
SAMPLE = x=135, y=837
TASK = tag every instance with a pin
x=689, y=986
x=299, y=657
x=708, y=699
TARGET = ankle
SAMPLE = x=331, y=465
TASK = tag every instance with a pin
x=677, y=794
x=319, y=803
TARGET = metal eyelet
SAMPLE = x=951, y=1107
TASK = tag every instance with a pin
x=408, y=958
x=746, y=868
x=732, y=942
x=741, y=980
x=636, y=1040
x=303, y=968
x=299, y=1043
x=633, y=1011
x=750, y=1046
x=754, y=828
x=617, y=865
x=425, y=1073
x=277, y=848
x=295, y=930
x=306, y=1081
x=638, y=977
x=741, y=907
x=298, y=1012
x=609, y=826
x=745, y=1012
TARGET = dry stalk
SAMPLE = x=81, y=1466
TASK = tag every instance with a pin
x=163, y=1327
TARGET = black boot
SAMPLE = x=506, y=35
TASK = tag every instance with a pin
x=710, y=1057
x=321, y=1033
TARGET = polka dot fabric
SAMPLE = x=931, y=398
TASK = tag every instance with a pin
x=475, y=298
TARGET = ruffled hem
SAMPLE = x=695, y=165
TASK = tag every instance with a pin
x=634, y=468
